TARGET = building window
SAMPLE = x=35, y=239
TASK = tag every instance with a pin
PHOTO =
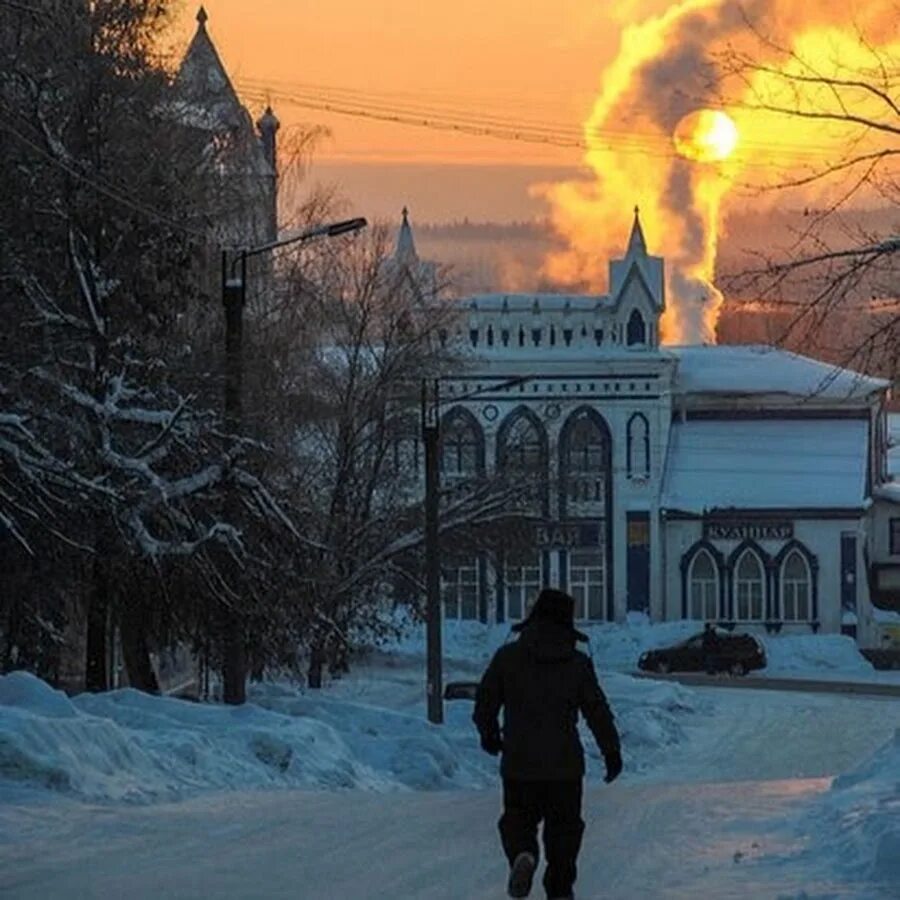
x=703, y=584
x=587, y=581
x=459, y=589
x=404, y=457
x=522, y=448
x=585, y=460
x=895, y=537
x=585, y=449
x=584, y=463
x=637, y=331
x=521, y=581
x=749, y=587
x=638, y=447
x=796, y=588
x=460, y=446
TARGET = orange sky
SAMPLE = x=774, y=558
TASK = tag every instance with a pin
x=539, y=59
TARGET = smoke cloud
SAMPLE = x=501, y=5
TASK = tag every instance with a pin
x=671, y=64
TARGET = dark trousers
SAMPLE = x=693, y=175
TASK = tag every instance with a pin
x=558, y=805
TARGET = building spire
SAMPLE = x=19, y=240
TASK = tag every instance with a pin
x=637, y=243
x=202, y=17
x=406, y=248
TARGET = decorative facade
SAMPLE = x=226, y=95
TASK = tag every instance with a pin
x=734, y=484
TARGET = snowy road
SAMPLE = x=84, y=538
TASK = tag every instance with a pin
x=713, y=821
x=643, y=841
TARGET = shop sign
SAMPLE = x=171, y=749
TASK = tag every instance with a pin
x=561, y=535
x=743, y=531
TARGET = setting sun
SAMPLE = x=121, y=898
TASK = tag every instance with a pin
x=706, y=135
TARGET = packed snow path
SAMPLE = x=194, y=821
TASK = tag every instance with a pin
x=712, y=820
x=643, y=841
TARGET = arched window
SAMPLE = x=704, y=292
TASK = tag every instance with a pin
x=522, y=446
x=638, y=446
x=584, y=462
x=585, y=447
x=637, y=329
x=749, y=587
x=703, y=584
x=460, y=445
x=796, y=588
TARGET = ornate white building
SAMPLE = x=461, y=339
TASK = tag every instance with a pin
x=734, y=484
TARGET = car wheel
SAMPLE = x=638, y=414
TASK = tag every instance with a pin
x=738, y=668
x=663, y=667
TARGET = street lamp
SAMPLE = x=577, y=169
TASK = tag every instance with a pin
x=234, y=295
x=431, y=439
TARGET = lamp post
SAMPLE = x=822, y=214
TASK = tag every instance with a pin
x=234, y=295
x=431, y=439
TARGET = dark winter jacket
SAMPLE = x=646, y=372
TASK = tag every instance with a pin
x=542, y=682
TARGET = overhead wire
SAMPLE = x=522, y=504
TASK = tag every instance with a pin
x=101, y=186
x=423, y=112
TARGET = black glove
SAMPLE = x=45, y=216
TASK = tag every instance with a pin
x=613, y=766
x=491, y=743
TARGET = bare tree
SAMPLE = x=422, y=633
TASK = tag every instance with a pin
x=838, y=277
x=365, y=332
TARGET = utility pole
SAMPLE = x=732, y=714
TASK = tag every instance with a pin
x=234, y=295
x=431, y=437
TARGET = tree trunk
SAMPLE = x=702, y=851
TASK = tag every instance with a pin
x=234, y=670
x=96, y=677
x=136, y=653
x=314, y=672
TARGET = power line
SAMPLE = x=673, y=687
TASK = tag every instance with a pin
x=102, y=187
x=439, y=115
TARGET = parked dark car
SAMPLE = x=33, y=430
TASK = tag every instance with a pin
x=734, y=653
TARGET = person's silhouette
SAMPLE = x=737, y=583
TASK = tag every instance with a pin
x=541, y=682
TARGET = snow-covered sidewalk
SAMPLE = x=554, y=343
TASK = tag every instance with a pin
x=350, y=791
x=722, y=840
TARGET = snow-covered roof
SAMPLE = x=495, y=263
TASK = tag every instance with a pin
x=766, y=464
x=746, y=369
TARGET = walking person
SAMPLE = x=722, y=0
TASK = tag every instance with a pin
x=542, y=682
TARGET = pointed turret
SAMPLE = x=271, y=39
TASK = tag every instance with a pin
x=406, y=266
x=267, y=125
x=637, y=243
x=203, y=81
x=406, y=247
x=638, y=267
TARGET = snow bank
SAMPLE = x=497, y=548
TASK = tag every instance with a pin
x=617, y=648
x=128, y=746
x=614, y=648
x=815, y=656
x=855, y=827
x=652, y=717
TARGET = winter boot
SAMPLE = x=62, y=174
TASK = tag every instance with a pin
x=521, y=874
